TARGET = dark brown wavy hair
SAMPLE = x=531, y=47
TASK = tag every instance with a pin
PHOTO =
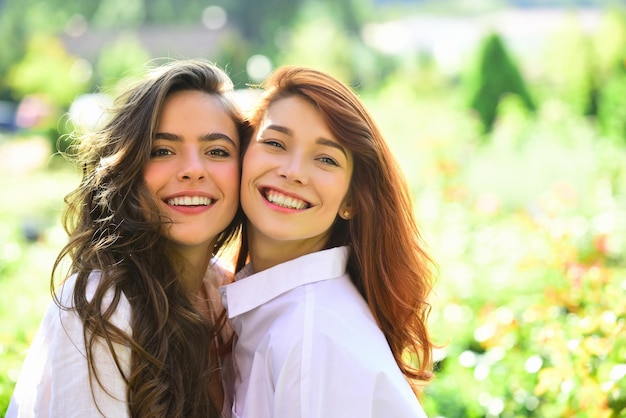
x=115, y=228
x=388, y=262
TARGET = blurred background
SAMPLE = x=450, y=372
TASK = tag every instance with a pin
x=508, y=117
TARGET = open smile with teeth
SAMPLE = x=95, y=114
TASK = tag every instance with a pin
x=285, y=201
x=190, y=201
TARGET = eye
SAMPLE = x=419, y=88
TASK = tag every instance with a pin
x=160, y=152
x=273, y=143
x=218, y=152
x=329, y=161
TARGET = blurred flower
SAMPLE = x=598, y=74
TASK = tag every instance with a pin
x=33, y=110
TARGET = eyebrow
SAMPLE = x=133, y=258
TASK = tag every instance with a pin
x=214, y=136
x=321, y=140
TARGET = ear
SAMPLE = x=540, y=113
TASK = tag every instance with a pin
x=345, y=211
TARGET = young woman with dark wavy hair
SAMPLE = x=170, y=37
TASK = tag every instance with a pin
x=134, y=329
x=331, y=309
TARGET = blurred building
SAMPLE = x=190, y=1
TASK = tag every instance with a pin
x=158, y=41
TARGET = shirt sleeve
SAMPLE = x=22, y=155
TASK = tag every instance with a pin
x=55, y=379
x=340, y=367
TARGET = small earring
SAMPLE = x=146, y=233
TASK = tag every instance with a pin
x=346, y=214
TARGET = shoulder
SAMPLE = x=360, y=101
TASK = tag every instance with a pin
x=65, y=295
x=65, y=292
x=56, y=378
x=342, y=325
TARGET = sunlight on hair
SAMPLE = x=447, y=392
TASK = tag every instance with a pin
x=246, y=98
x=89, y=110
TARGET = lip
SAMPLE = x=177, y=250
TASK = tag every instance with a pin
x=190, y=193
x=189, y=210
x=263, y=190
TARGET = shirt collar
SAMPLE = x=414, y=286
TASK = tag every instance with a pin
x=244, y=295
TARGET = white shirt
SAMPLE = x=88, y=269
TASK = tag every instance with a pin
x=308, y=345
x=54, y=380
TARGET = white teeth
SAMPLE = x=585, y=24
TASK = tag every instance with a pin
x=285, y=201
x=190, y=201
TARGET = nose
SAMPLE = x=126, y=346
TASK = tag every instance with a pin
x=294, y=169
x=192, y=169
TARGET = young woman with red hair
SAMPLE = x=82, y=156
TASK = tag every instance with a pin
x=331, y=309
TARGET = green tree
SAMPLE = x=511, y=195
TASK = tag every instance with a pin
x=609, y=43
x=570, y=71
x=316, y=31
x=123, y=59
x=259, y=21
x=610, y=52
x=232, y=56
x=612, y=107
x=494, y=74
x=47, y=60
x=55, y=78
x=20, y=20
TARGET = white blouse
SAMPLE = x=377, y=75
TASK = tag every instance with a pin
x=55, y=381
x=308, y=346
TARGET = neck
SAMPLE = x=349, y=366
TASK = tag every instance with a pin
x=194, y=270
x=266, y=252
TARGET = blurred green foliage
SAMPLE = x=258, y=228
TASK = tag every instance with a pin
x=570, y=67
x=124, y=59
x=532, y=315
x=526, y=219
x=495, y=75
x=46, y=69
x=612, y=112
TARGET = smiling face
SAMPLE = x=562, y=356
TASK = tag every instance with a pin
x=193, y=172
x=295, y=179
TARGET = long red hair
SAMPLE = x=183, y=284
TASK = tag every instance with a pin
x=388, y=262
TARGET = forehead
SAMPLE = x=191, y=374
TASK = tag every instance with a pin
x=192, y=98
x=195, y=109
x=295, y=110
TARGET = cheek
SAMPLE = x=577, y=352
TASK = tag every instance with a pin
x=228, y=176
x=250, y=166
x=152, y=177
x=340, y=187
